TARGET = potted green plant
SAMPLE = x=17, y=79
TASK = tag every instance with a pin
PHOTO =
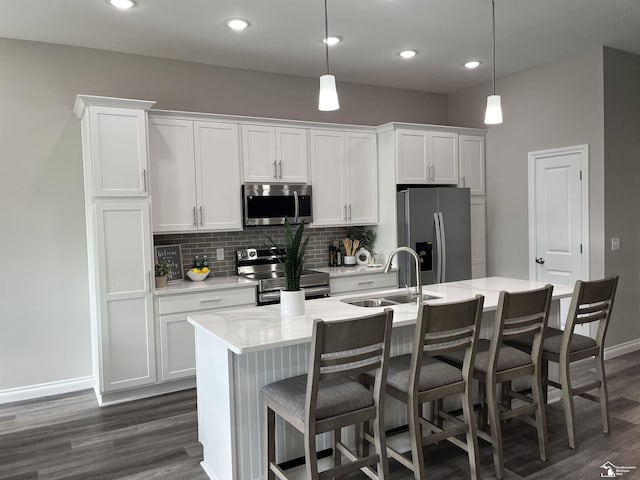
x=292, y=297
x=162, y=272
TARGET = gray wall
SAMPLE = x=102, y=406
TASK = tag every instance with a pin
x=553, y=105
x=622, y=191
x=44, y=308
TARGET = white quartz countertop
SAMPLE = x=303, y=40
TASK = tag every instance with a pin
x=262, y=328
x=351, y=271
x=211, y=283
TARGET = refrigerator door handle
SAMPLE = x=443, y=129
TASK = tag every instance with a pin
x=443, y=270
x=436, y=218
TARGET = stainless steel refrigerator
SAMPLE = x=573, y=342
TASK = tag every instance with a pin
x=436, y=223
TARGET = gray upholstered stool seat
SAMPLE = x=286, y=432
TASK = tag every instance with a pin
x=335, y=397
x=508, y=358
x=433, y=373
x=553, y=341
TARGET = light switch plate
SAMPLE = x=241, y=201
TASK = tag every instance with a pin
x=219, y=253
x=615, y=244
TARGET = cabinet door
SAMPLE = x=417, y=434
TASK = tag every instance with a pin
x=443, y=148
x=361, y=176
x=329, y=198
x=177, y=347
x=411, y=156
x=217, y=176
x=471, y=151
x=173, y=175
x=478, y=238
x=259, y=157
x=118, y=139
x=292, y=156
x=125, y=311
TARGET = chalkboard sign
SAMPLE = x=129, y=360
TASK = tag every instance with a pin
x=171, y=254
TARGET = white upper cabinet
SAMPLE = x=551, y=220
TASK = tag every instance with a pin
x=118, y=151
x=471, y=150
x=274, y=154
x=361, y=178
x=195, y=172
x=424, y=157
x=444, y=157
x=217, y=158
x=345, y=178
x=173, y=191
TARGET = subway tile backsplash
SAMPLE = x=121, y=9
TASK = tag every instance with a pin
x=206, y=244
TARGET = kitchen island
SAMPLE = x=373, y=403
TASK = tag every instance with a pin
x=239, y=351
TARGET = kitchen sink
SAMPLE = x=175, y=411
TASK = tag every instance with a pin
x=387, y=300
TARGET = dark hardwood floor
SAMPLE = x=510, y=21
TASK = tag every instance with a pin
x=70, y=437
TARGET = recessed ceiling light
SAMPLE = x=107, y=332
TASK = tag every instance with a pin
x=408, y=54
x=331, y=41
x=122, y=4
x=237, y=24
x=472, y=64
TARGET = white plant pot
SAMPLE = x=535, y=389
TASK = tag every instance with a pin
x=292, y=303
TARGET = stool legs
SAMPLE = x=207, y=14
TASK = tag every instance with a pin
x=541, y=418
x=567, y=401
x=604, y=394
x=269, y=441
x=496, y=431
x=415, y=432
x=472, y=438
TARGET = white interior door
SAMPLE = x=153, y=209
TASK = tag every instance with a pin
x=558, y=216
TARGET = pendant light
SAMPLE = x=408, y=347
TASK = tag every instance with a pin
x=328, y=98
x=493, y=115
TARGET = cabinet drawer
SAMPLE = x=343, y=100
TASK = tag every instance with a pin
x=215, y=299
x=362, y=283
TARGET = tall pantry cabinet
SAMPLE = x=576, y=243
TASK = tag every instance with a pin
x=119, y=242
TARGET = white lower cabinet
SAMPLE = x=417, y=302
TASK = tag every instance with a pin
x=176, y=338
x=361, y=283
x=478, y=238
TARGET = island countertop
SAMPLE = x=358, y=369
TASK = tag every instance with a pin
x=261, y=328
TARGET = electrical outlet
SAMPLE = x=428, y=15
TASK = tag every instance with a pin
x=219, y=253
x=615, y=244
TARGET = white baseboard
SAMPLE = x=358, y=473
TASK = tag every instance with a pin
x=30, y=392
x=622, y=349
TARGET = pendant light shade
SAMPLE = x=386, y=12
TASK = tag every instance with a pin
x=493, y=114
x=328, y=98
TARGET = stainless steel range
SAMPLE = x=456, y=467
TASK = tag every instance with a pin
x=265, y=265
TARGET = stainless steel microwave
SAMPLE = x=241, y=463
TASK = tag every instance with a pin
x=270, y=204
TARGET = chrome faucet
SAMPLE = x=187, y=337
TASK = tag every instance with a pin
x=387, y=267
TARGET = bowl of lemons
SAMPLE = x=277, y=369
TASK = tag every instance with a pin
x=198, y=274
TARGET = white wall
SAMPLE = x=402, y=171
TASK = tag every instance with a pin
x=622, y=191
x=44, y=324
x=553, y=105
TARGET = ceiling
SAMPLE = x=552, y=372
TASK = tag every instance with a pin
x=285, y=35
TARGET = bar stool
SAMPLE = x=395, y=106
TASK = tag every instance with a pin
x=592, y=301
x=328, y=398
x=518, y=313
x=420, y=377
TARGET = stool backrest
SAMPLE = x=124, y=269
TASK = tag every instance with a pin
x=445, y=328
x=520, y=314
x=346, y=348
x=592, y=301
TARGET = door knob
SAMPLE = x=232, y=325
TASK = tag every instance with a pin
x=540, y=260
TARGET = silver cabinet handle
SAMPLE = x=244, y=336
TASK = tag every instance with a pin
x=195, y=217
x=144, y=180
x=201, y=216
x=275, y=170
x=463, y=182
x=366, y=283
x=150, y=281
x=279, y=169
x=213, y=300
x=349, y=212
x=345, y=212
x=297, y=206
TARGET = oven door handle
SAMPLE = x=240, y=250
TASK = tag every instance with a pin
x=297, y=206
